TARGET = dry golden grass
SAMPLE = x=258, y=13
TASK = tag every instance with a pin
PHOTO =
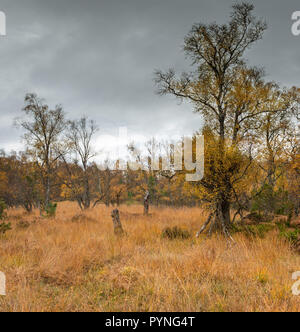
x=79, y=265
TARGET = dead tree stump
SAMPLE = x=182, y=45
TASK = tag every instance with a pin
x=118, y=229
x=146, y=203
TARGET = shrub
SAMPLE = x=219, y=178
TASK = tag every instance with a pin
x=291, y=236
x=80, y=217
x=130, y=200
x=175, y=233
x=51, y=210
x=2, y=210
x=272, y=201
x=262, y=278
x=263, y=229
x=259, y=230
x=4, y=227
x=256, y=218
x=281, y=227
x=23, y=224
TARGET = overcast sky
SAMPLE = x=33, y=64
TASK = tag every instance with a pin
x=97, y=58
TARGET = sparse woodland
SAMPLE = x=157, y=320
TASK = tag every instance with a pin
x=251, y=140
x=56, y=232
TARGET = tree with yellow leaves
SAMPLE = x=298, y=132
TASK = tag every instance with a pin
x=231, y=97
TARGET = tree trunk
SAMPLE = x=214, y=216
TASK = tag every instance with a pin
x=146, y=203
x=40, y=207
x=47, y=186
x=219, y=220
x=117, y=222
x=87, y=198
x=118, y=200
x=222, y=215
x=79, y=202
x=47, y=194
x=225, y=210
x=28, y=207
x=222, y=220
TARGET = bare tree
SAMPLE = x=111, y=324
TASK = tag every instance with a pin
x=43, y=130
x=79, y=135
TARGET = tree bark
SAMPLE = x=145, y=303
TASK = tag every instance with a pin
x=146, y=203
x=219, y=220
x=47, y=193
x=87, y=198
x=222, y=215
x=118, y=229
x=28, y=207
x=225, y=210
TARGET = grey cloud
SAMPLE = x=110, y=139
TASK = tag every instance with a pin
x=97, y=58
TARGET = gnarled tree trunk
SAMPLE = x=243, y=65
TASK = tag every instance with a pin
x=118, y=229
x=219, y=219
